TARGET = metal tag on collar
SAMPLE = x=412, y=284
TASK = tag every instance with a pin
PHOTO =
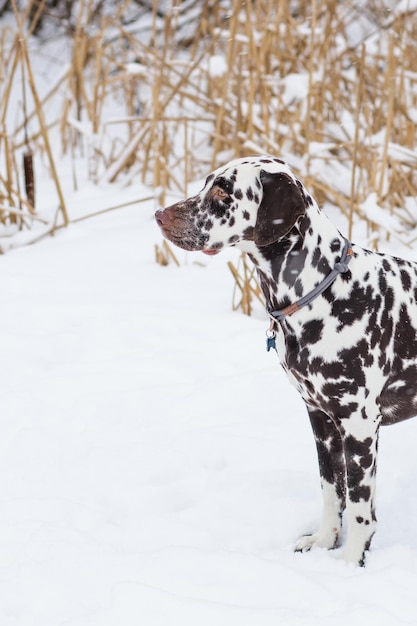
x=270, y=338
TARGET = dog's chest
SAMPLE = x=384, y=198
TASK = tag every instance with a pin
x=323, y=361
x=289, y=353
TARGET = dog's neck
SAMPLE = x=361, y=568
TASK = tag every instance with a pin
x=295, y=265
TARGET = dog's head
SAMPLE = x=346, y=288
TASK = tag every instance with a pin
x=250, y=199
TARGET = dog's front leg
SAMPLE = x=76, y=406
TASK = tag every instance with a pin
x=361, y=457
x=330, y=454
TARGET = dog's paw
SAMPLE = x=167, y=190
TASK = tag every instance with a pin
x=355, y=551
x=356, y=558
x=327, y=540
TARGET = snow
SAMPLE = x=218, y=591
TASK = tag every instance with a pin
x=295, y=88
x=217, y=66
x=137, y=69
x=156, y=467
x=377, y=214
x=405, y=6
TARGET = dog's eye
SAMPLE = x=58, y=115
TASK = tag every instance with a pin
x=220, y=194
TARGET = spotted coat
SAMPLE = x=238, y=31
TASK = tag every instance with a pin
x=351, y=352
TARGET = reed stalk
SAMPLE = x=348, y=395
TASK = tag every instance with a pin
x=293, y=84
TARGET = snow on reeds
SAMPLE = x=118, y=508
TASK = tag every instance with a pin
x=163, y=98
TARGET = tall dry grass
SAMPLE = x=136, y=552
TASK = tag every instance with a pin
x=330, y=86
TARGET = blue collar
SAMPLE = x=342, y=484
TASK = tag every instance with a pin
x=340, y=268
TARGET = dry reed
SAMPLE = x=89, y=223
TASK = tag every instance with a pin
x=246, y=288
x=293, y=79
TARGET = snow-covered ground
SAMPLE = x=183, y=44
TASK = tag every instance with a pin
x=156, y=468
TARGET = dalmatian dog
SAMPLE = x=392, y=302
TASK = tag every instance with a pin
x=344, y=319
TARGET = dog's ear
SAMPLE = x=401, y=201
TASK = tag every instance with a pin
x=281, y=206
